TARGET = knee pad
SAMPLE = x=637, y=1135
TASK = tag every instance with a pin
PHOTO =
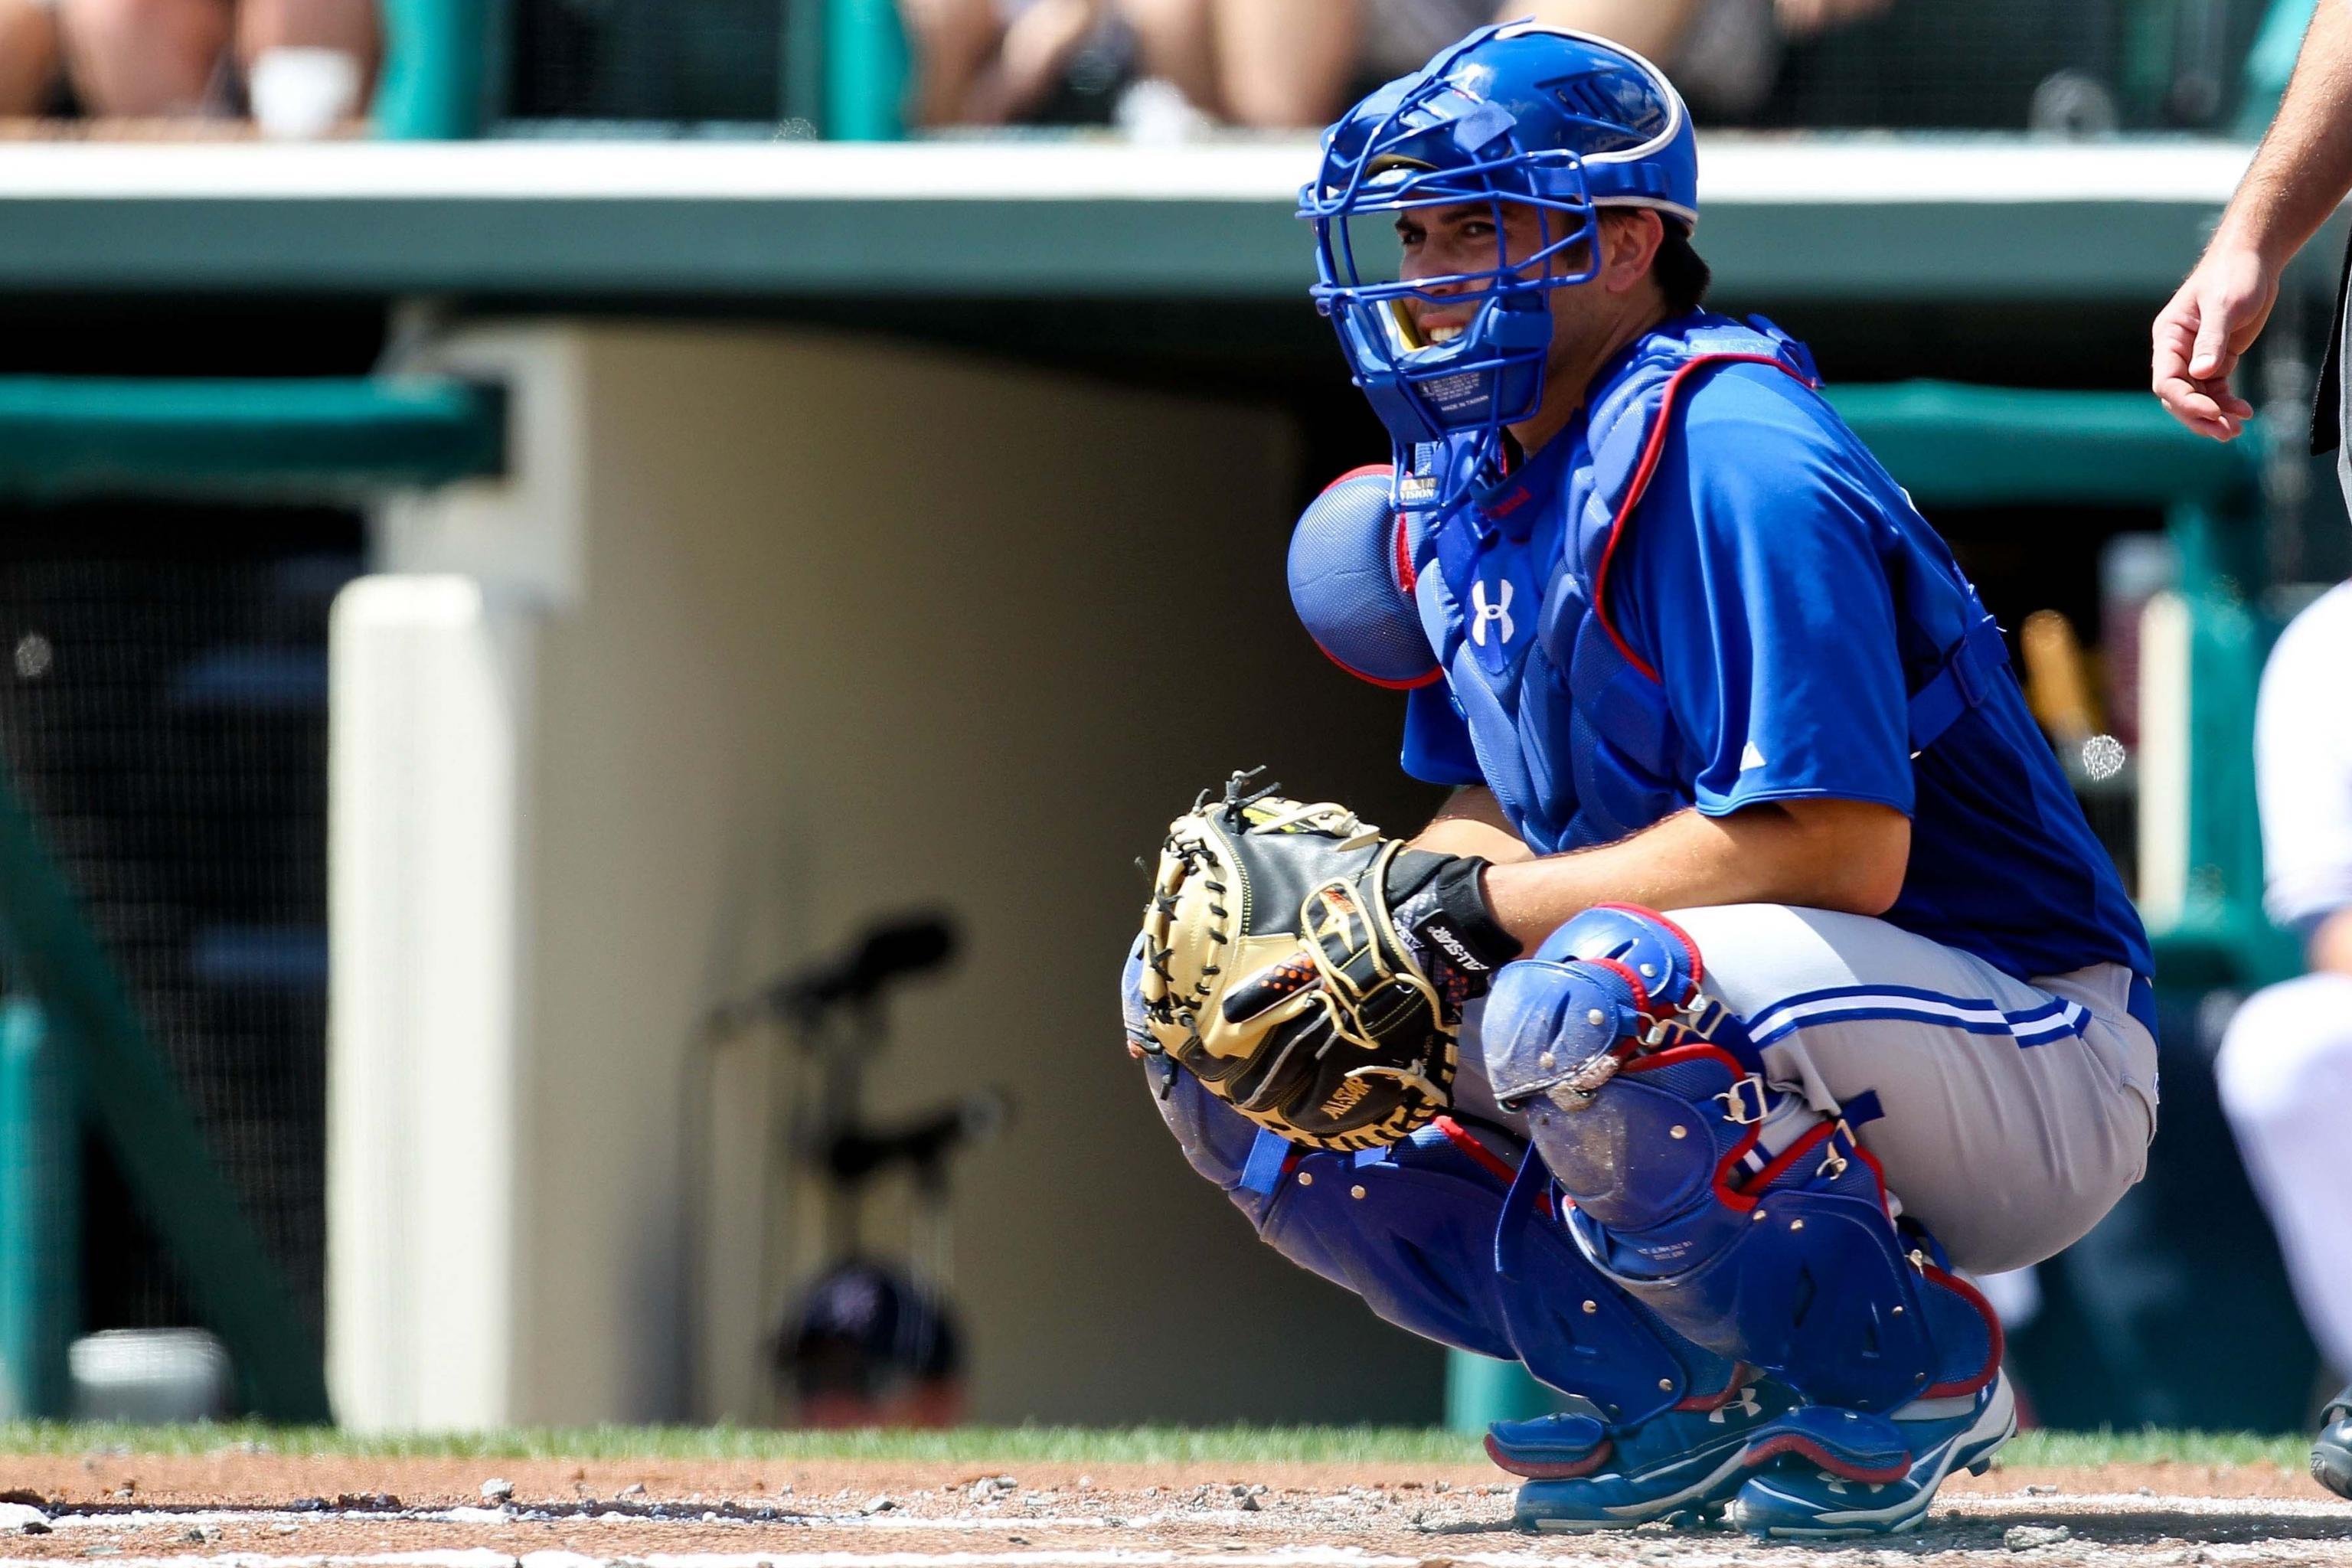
x=1783, y=1254
x=1591, y=995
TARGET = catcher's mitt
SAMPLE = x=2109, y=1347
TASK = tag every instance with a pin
x=1277, y=970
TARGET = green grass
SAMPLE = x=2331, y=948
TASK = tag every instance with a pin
x=976, y=1445
x=2155, y=1446
x=1018, y=1445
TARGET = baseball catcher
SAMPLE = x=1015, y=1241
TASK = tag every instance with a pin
x=1679, y=644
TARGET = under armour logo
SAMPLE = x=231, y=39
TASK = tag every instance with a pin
x=1745, y=1402
x=1483, y=612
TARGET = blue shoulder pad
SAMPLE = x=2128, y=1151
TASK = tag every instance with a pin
x=1350, y=581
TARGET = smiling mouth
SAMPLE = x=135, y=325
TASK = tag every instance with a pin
x=1425, y=327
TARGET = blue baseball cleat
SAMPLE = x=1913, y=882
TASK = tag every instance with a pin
x=1682, y=1466
x=1797, y=1497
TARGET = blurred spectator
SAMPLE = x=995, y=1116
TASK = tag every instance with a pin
x=186, y=58
x=1297, y=63
x=991, y=62
x=28, y=55
x=2285, y=1066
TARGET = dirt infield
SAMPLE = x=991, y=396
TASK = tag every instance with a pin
x=248, y=1509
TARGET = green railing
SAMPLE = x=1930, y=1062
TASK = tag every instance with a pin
x=436, y=84
x=845, y=68
x=41, y=1214
x=306, y=439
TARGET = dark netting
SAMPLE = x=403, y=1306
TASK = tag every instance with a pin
x=681, y=60
x=162, y=709
x=2011, y=65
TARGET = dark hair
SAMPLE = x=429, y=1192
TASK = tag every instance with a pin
x=1683, y=276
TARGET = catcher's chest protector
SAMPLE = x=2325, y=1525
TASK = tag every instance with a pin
x=1571, y=728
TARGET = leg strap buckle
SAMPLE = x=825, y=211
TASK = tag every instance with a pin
x=1834, y=1156
x=1743, y=1103
x=1698, y=1019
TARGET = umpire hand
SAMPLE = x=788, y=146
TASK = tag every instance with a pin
x=2298, y=174
x=2211, y=320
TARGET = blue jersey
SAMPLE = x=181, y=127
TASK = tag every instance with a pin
x=1760, y=578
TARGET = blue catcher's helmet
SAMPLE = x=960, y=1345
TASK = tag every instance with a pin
x=1562, y=121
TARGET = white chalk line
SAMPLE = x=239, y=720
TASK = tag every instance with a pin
x=1687, y=1551
x=791, y=1513
x=1690, y=1551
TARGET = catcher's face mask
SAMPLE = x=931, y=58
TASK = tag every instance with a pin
x=1544, y=120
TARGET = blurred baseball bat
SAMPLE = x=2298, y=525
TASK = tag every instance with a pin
x=2058, y=680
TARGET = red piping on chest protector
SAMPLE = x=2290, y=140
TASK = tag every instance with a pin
x=1652, y=447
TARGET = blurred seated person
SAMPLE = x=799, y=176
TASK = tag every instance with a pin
x=145, y=59
x=1294, y=64
x=2285, y=1066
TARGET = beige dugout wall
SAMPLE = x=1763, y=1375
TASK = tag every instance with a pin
x=786, y=630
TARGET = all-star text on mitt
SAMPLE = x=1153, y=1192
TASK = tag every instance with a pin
x=1310, y=972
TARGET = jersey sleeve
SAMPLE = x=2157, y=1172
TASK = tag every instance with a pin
x=1437, y=747
x=1752, y=582
x=2302, y=767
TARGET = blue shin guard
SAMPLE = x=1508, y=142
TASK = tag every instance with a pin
x=1439, y=1236
x=1650, y=1114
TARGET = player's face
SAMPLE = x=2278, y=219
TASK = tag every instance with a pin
x=1439, y=242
